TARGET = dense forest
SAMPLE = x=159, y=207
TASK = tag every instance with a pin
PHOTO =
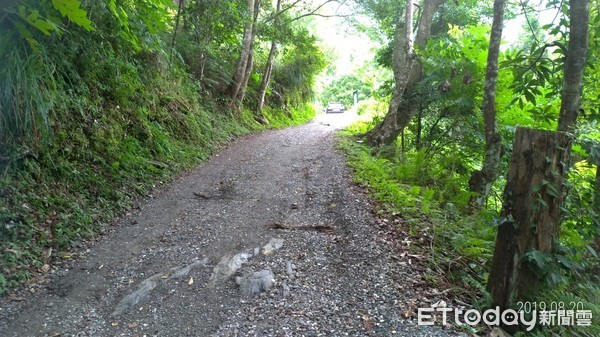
x=486, y=152
x=489, y=151
x=104, y=100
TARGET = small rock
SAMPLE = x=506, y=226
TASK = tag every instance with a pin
x=183, y=272
x=256, y=283
x=290, y=269
x=273, y=245
x=135, y=297
x=285, y=290
x=227, y=267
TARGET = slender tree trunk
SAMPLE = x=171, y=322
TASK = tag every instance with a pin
x=574, y=64
x=597, y=191
x=406, y=74
x=179, y=7
x=246, y=49
x=573, y=80
x=402, y=59
x=204, y=57
x=239, y=99
x=264, y=84
x=419, y=127
x=242, y=93
x=597, y=205
x=481, y=180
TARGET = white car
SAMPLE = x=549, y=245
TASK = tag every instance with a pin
x=335, y=107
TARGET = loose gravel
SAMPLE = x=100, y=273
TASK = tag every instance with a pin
x=277, y=209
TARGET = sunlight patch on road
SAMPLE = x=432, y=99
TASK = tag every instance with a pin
x=339, y=120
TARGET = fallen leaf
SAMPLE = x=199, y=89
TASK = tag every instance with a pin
x=132, y=325
x=46, y=255
x=410, y=312
x=114, y=323
x=191, y=281
x=368, y=323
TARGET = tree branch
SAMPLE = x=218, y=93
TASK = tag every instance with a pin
x=279, y=12
x=528, y=22
x=314, y=11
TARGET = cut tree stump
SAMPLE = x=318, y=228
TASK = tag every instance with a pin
x=531, y=212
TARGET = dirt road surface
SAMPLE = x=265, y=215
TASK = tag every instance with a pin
x=268, y=238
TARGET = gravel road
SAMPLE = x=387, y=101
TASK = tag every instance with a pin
x=169, y=268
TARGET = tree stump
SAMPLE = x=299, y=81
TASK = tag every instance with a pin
x=531, y=212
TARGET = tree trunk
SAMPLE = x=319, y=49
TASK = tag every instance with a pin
x=179, y=7
x=419, y=127
x=242, y=93
x=264, y=84
x=402, y=146
x=246, y=49
x=597, y=190
x=597, y=205
x=574, y=64
x=406, y=74
x=533, y=198
x=204, y=56
x=481, y=181
x=534, y=192
x=402, y=59
x=250, y=63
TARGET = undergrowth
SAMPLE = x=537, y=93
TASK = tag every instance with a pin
x=280, y=118
x=116, y=126
x=430, y=192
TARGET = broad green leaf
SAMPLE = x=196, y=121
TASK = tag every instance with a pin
x=551, y=190
x=71, y=10
x=540, y=259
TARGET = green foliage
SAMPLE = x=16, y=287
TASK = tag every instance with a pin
x=25, y=100
x=417, y=181
x=279, y=118
x=207, y=46
x=424, y=178
x=295, y=74
x=95, y=165
x=428, y=191
x=371, y=107
x=533, y=34
x=342, y=90
x=71, y=10
x=586, y=295
x=43, y=16
x=93, y=119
